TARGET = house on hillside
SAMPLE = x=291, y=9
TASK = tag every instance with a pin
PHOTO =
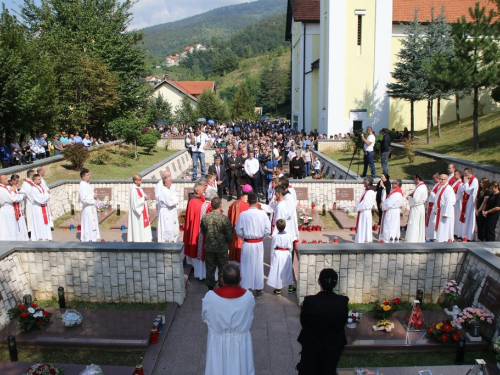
x=175, y=91
x=343, y=53
x=172, y=61
x=153, y=80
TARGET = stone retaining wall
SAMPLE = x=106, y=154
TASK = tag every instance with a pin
x=98, y=272
x=334, y=145
x=175, y=143
x=176, y=164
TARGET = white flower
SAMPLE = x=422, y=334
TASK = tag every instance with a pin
x=349, y=320
x=38, y=314
x=31, y=310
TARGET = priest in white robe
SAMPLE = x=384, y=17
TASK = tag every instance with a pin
x=159, y=185
x=430, y=220
x=467, y=217
x=168, y=220
x=41, y=172
x=90, y=223
x=457, y=187
x=41, y=222
x=26, y=189
x=253, y=226
x=390, y=228
x=364, y=207
x=444, y=211
x=21, y=227
x=415, y=232
x=139, y=226
x=228, y=313
x=9, y=217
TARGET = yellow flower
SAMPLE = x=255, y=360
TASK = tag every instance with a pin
x=439, y=325
x=386, y=307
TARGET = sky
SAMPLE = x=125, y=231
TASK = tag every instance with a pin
x=153, y=12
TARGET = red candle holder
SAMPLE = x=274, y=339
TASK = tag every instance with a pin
x=79, y=228
x=300, y=227
x=313, y=206
x=335, y=240
x=153, y=337
x=375, y=227
x=181, y=228
x=309, y=229
x=304, y=241
x=464, y=239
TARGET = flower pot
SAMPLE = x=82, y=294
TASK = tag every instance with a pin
x=351, y=325
x=449, y=306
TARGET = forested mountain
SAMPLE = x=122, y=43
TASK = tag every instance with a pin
x=221, y=23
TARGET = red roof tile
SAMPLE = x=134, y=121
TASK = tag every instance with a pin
x=306, y=10
x=404, y=10
x=195, y=87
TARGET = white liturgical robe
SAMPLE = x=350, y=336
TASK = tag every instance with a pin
x=90, y=223
x=280, y=211
x=139, y=226
x=364, y=219
x=41, y=220
x=9, y=219
x=281, y=271
x=430, y=221
x=26, y=189
x=444, y=211
x=391, y=218
x=467, y=216
x=168, y=221
x=45, y=187
x=292, y=228
x=229, y=342
x=253, y=224
x=457, y=187
x=415, y=231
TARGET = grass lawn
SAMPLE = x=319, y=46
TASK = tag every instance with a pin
x=118, y=166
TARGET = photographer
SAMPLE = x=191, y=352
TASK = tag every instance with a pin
x=368, y=144
x=197, y=144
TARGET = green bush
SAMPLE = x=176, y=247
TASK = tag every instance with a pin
x=77, y=154
x=149, y=140
x=99, y=156
x=129, y=154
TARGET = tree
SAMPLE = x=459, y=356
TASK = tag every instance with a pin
x=475, y=64
x=210, y=106
x=149, y=140
x=185, y=113
x=156, y=108
x=273, y=86
x=409, y=74
x=243, y=104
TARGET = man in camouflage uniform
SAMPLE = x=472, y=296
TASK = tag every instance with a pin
x=218, y=231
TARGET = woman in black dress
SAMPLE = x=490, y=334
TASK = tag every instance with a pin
x=322, y=337
x=481, y=198
x=492, y=212
x=383, y=190
x=297, y=166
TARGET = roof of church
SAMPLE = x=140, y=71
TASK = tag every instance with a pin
x=404, y=10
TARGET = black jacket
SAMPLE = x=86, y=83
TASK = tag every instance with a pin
x=386, y=143
x=323, y=318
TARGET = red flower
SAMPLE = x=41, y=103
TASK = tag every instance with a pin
x=52, y=371
x=431, y=329
x=447, y=328
x=387, y=303
x=40, y=323
x=445, y=337
x=21, y=307
x=396, y=301
x=46, y=313
x=34, y=305
x=24, y=315
x=455, y=337
x=459, y=332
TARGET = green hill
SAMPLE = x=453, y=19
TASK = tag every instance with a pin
x=221, y=23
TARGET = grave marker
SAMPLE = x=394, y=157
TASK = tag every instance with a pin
x=103, y=192
x=490, y=295
x=344, y=194
x=302, y=193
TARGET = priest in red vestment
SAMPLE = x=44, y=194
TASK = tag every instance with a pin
x=192, y=223
x=239, y=206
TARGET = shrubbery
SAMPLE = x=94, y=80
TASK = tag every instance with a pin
x=77, y=154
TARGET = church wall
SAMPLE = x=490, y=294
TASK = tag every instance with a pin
x=170, y=94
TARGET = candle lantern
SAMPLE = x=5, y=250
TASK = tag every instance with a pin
x=475, y=329
x=118, y=211
x=153, y=338
x=324, y=209
x=72, y=209
x=27, y=299
x=11, y=342
x=420, y=296
x=459, y=359
x=62, y=299
x=139, y=370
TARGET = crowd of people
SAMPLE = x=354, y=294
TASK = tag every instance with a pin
x=458, y=207
x=39, y=146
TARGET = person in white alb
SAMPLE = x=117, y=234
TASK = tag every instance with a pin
x=415, y=231
x=281, y=210
x=139, y=226
x=281, y=270
x=26, y=189
x=444, y=210
x=252, y=170
x=391, y=219
x=9, y=217
x=228, y=313
x=21, y=227
x=168, y=221
x=41, y=172
x=159, y=185
x=253, y=226
x=467, y=218
x=364, y=207
x=41, y=223
x=368, y=144
x=457, y=186
x=199, y=141
x=90, y=224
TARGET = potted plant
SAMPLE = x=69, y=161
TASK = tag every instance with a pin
x=444, y=332
x=29, y=317
x=385, y=309
x=470, y=315
x=452, y=292
x=354, y=318
x=44, y=369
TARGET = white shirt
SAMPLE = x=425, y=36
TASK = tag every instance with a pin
x=369, y=148
x=251, y=166
x=203, y=139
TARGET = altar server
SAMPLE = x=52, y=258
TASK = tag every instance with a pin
x=139, y=226
x=467, y=218
x=41, y=172
x=281, y=271
x=444, y=211
x=228, y=313
x=415, y=231
x=364, y=210
x=253, y=226
x=9, y=217
x=21, y=227
x=41, y=222
x=391, y=217
x=430, y=220
x=26, y=189
x=168, y=221
x=457, y=187
x=90, y=223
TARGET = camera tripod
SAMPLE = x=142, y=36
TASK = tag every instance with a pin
x=356, y=150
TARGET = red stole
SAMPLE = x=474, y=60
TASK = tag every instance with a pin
x=438, y=203
x=357, y=218
x=420, y=184
x=30, y=182
x=145, y=213
x=465, y=199
x=456, y=185
x=431, y=204
x=230, y=292
x=44, y=206
x=452, y=180
x=398, y=190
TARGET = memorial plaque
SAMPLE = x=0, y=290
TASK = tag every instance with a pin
x=490, y=295
x=302, y=193
x=149, y=191
x=344, y=194
x=103, y=192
